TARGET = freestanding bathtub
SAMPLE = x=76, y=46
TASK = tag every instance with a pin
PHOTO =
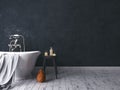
x=25, y=65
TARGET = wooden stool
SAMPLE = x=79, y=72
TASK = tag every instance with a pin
x=53, y=58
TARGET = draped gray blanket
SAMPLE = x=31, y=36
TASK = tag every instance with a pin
x=8, y=64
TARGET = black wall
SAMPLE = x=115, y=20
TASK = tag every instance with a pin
x=82, y=32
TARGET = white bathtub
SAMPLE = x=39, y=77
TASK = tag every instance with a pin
x=25, y=65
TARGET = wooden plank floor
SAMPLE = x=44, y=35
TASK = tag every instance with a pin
x=75, y=78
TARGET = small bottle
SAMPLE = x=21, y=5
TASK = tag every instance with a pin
x=51, y=51
x=46, y=54
x=54, y=54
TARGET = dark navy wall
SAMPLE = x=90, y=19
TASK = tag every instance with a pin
x=83, y=32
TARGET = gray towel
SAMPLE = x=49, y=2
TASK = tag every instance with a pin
x=8, y=64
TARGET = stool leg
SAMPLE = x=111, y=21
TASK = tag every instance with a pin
x=55, y=66
x=44, y=65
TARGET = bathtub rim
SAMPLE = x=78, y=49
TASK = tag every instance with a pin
x=25, y=52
